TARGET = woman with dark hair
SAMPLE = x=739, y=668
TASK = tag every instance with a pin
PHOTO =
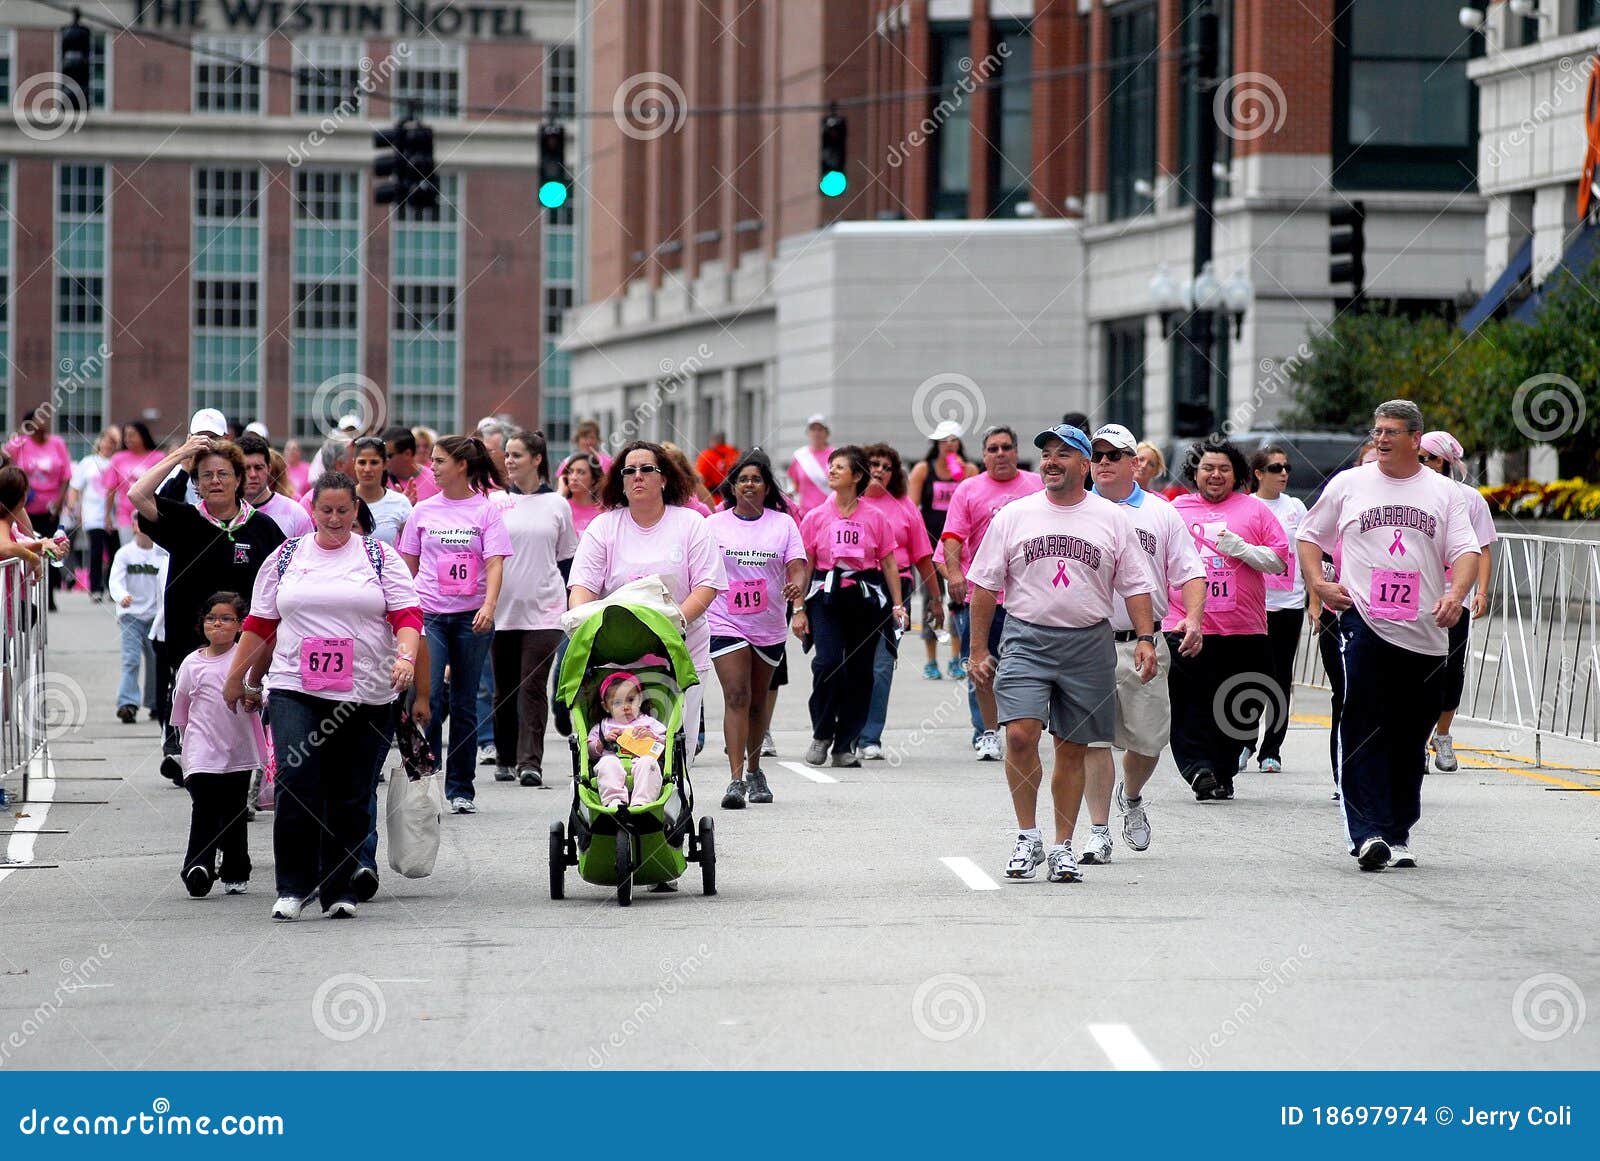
x=646, y=531
x=48, y=465
x=765, y=561
x=933, y=482
x=1286, y=601
x=527, y=624
x=389, y=508
x=582, y=479
x=455, y=544
x=854, y=595
x=1219, y=694
x=700, y=499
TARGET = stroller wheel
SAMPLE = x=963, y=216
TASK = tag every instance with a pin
x=708, y=858
x=558, y=861
x=624, y=869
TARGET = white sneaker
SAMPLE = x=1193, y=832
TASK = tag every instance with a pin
x=817, y=752
x=1444, y=754
x=1373, y=855
x=1400, y=856
x=1025, y=857
x=287, y=907
x=234, y=888
x=463, y=806
x=769, y=748
x=989, y=747
x=1097, y=851
x=871, y=753
x=488, y=756
x=1063, y=867
x=1135, y=822
x=344, y=909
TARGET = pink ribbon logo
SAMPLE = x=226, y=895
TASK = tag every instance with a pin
x=1061, y=579
x=1397, y=546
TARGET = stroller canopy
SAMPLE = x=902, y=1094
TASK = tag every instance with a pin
x=621, y=634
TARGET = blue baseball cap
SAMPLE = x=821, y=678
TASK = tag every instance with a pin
x=1073, y=437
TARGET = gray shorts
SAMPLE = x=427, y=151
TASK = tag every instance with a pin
x=1065, y=678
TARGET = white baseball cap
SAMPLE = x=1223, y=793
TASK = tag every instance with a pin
x=210, y=421
x=1117, y=436
x=351, y=422
x=817, y=419
x=259, y=428
x=949, y=429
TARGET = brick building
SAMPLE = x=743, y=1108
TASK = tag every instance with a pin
x=1019, y=170
x=206, y=235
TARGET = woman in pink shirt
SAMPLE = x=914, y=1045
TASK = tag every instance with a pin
x=455, y=544
x=854, y=595
x=646, y=531
x=334, y=627
x=138, y=455
x=765, y=560
x=295, y=468
x=1219, y=695
x=48, y=465
x=581, y=479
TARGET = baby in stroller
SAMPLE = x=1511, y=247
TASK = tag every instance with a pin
x=627, y=729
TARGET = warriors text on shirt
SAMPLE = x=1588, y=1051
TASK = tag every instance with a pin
x=1399, y=516
x=1070, y=547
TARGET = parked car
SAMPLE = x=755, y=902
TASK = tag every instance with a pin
x=1314, y=456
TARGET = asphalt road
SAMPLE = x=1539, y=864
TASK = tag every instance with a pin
x=861, y=922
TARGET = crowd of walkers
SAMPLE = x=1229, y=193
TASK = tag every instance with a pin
x=407, y=578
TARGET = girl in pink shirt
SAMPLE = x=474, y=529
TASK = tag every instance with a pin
x=623, y=699
x=220, y=749
x=581, y=474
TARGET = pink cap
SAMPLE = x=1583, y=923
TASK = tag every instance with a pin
x=1442, y=444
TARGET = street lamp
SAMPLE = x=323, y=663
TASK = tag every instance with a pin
x=1205, y=293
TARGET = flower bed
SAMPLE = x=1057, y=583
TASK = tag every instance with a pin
x=1574, y=499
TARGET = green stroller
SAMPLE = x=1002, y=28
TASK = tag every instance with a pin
x=648, y=845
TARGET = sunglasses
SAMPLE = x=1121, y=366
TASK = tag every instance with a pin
x=1427, y=457
x=1277, y=469
x=642, y=470
x=1116, y=456
x=996, y=449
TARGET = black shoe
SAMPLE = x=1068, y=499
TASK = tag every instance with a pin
x=1205, y=786
x=1224, y=791
x=504, y=774
x=733, y=797
x=198, y=880
x=758, y=790
x=1374, y=855
x=173, y=769
x=529, y=776
x=126, y=714
x=364, y=884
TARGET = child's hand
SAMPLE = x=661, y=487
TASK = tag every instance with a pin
x=611, y=731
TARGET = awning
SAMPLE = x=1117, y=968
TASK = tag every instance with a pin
x=1576, y=261
x=1516, y=270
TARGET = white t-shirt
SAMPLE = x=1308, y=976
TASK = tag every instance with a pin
x=1168, y=549
x=287, y=515
x=1396, y=537
x=389, y=515
x=1062, y=565
x=532, y=593
x=86, y=480
x=1286, y=590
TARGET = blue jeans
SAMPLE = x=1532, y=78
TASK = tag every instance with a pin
x=136, y=648
x=369, y=850
x=486, y=704
x=962, y=618
x=452, y=642
x=882, y=679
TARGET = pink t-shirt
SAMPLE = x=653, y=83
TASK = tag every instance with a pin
x=532, y=593
x=419, y=487
x=452, y=539
x=858, y=541
x=298, y=475
x=1482, y=527
x=1168, y=549
x=583, y=514
x=215, y=739
x=1236, y=594
x=124, y=471
x=755, y=556
x=1396, y=538
x=294, y=519
x=904, y=518
x=331, y=609
x=605, y=464
x=694, y=504
x=679, y=548
x=808, y=471
x=1067, y=566
x=48, y=467
x=975, y=503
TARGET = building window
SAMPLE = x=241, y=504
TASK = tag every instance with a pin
x=1405, y=114
x=429, y=80
x=7, y=47
x=1199, y=406
x=97, y=67
x=561, y=80
x=327, y=76
x=1191, y=103
x=1588, y=14
x=226, y=340
x=227, y=74
x=424, y=344
x=952, y=140
x=80, y=326
x=5, y=294
x=750, y=389
x=1011, y=112
x=325, y=326
x=1125, y=373
x=1131, y=145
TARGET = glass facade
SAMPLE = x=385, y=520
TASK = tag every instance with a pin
x=1125, y=373
x=424, y=326
x=1131, y=145
x=1191, y=104
x=1588, y=14
x=81, y=344
x=227, y=74
x=225, y=368
x=952, y=139
x=325, y=325
x=1011, y=114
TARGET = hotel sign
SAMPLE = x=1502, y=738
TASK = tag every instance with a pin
x=403, y=18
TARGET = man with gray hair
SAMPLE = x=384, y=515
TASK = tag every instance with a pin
x=1400, y=529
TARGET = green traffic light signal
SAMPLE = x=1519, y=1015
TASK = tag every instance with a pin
x=832, y=183
x=553, y=194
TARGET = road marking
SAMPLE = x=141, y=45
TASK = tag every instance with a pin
x=808, y=772
x=41, y=793
x=1123, y=1048
x=969, y=873
x=1323, y=720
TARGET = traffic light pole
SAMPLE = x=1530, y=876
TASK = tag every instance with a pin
x=1200, y=330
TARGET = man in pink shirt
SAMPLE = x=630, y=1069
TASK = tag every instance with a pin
x=1218, y=695
x=412, y=480
x=1065, y=560
x=808, y=470
x=1399, y=527
x=972, y=506
x=44, y=459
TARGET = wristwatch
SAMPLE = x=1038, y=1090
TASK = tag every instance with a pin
x=1148, y=638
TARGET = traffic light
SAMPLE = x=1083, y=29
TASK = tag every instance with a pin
x=554, y=180
x=408, y=164
x=833, y=181
x=1347, y=246
x=77, y=45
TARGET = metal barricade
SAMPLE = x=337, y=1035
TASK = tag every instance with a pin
x=23, y=725
x=1533, y=661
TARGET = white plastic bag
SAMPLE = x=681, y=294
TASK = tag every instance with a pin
x=649, y=591
x=414, y=811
